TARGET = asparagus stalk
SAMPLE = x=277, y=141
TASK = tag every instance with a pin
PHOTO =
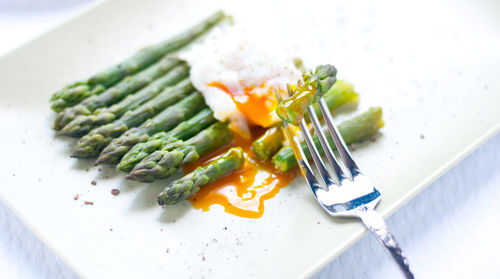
x=271, y=141
x=115, y=93
x=72, y=94
x=90, y=145
x=307, y=91
x=159, y=140
x=163, y=163
x=76, y=92
x=164, y=121
x=356, y=129
x=186, y=186
x=341, y=93
x=82, y=124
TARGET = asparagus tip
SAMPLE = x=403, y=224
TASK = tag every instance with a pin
x=161, y=200
x=77, y=153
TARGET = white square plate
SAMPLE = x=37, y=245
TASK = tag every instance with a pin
x=433, y=66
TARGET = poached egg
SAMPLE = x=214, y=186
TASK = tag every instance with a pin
x=237, y=72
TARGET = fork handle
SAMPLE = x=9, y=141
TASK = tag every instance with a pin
x=377, y=226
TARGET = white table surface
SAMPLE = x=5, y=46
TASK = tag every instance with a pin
x=450, y=230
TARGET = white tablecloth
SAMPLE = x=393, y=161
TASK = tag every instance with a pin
x=450, y=230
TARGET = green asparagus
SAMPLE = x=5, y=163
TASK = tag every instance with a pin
x=163, y=163
x=116, y=93
x=186, y=186
x=164, y=121
x=270, y=142
x=356, y=129
x=78, y=91
x=159, y=140
x=341, y=93
x=91, y=144
x=82, y=124
x=308, y=90
x=72, y=94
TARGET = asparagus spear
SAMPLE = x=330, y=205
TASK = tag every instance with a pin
x=307, y=91
x=270, y=142
x=74, y=93
x=163, y=163
x=186, y=186
x=82, y=124
x=115, y=93
x=159, y=140
x=356, y=129
x=341, y=93
x=90, y=145
x=164, y=121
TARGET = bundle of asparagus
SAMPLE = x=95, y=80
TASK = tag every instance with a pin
x=145, y=115
x=91, y=144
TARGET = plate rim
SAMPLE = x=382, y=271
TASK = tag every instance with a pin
x=325, y=260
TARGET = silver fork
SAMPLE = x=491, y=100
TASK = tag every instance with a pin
x=346, y=192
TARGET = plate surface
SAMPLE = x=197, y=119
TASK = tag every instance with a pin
x=433, y=67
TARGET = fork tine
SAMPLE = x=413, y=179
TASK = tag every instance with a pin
x=327, y=179
x=337, y=170
x=303, y=164
x=318, y=162
x=302, y=161
x=339, y=142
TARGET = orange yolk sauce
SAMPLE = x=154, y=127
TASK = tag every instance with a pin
x=243, y=192
x=257, y=108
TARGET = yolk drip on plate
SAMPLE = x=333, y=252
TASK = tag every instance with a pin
x=256, y=103
x=243, y=192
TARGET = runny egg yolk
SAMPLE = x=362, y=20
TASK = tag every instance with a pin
x=243, y=192
x=257, y=104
